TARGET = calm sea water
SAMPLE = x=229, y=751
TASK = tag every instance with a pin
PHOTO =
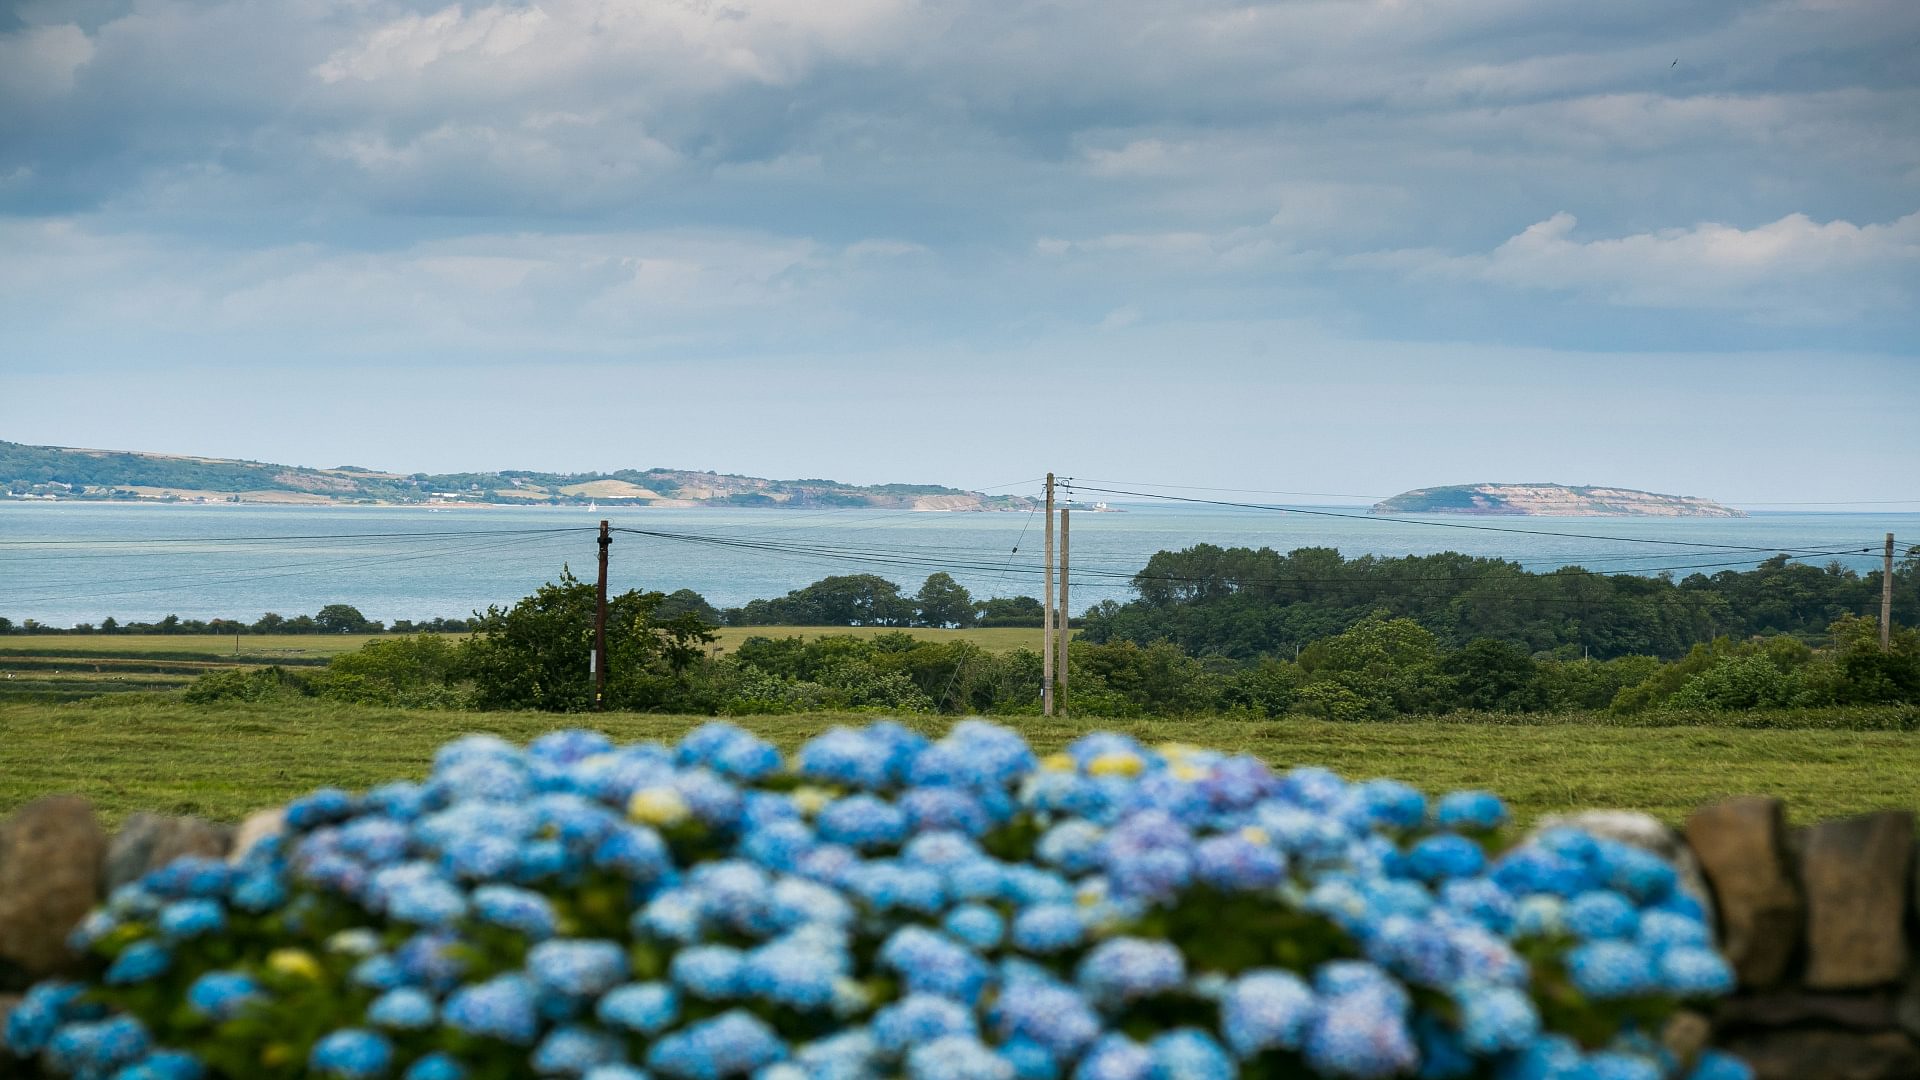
x=63, y=563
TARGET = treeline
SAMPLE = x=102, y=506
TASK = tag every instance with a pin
x=1245, y=604
x=851, y=600
x=535, y=656
x=331, y=619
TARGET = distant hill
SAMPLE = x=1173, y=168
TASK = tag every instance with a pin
x=1550, y=500
x=59, y=472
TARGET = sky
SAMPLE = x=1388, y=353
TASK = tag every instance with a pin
x=1348, y=246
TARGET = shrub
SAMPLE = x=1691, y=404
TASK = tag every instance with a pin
x=885, y=906
x=273, y=683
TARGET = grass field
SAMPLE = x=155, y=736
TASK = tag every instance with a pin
x=151, y=753
x=55, y=668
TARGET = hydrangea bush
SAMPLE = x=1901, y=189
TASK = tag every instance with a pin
x=883, y=905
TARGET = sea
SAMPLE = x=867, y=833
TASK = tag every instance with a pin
x=63, y=563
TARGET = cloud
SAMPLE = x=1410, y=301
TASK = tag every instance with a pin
x=42, y=61
x=1792, y=269
x=1018, y=167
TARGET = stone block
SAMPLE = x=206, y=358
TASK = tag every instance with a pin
x=1741, y=848
x=1780, y=1008
x=50, y=855
x=1802, y=1054
x=151, y=841
x=9, y=1065
x=257, y=827
x=1856, y=874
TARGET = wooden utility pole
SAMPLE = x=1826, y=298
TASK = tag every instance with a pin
x=1066, y=613
x=1886, y=599
x=1046, y=618
x=600, y=624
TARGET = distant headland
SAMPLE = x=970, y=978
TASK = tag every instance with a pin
x=1550, y=500
x=72, y=474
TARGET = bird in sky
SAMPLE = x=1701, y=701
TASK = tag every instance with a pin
x=1673, y=65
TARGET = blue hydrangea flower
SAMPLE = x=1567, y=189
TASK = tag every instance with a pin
x=184, y=919
x=521, y=910
x=1266, y=1010
x=1126, y=969
x=1235, y=862
x=1470, y=811
x=645, y=1008
x=1116, y=1057
x=1362, y=1035
x=731, y=1044
x=862, y=821
x=404, y=1009
x=1611, y=969
x=932, y=963
x=351, y=1054
x=1495, y=1019
x=1602, y=913
x=708, y=971
x=1190, y=1054
x=1693, y=971
x=319, y=808
x=1049, y=928
x=976, y=926
x=96, y=1047
x=138, y=963
x=1445, y=855
x=164, y=1065
x=957, y=1057
x=220, y=995
x=436, y=1066
x=577, y=969
x=920, y=1018
x=572, y=1050
x=500, y=1008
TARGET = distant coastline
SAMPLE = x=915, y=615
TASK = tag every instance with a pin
x=1550, y=500
x=73, y=474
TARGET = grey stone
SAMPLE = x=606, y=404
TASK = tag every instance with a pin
x=257, y=827
x=1802, y=1054
x=1906, y=1008
x=1741, y=847
x=1686, y=1034
x=1642, y=831
x=1856, y=873
x=151, y=841
x=50, y=852
x=1858, y=1012
x=9, y=1064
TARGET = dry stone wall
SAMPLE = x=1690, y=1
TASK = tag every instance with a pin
x=1818, y=922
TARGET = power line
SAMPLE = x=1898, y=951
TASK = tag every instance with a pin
x=1419, y=521
x=454, y=533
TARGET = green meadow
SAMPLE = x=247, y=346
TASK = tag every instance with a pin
x=150, y=752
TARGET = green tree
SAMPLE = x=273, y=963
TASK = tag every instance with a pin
x=843, y=600
x=1391, y=666
x=1010, y=611
x=943, y=602
x=1494, y=676
x=343, y=619
x=536, y=654
x=688, y=602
